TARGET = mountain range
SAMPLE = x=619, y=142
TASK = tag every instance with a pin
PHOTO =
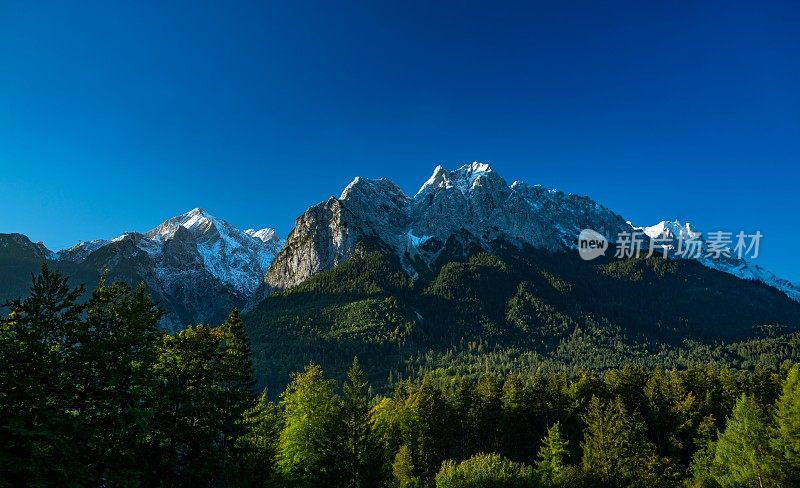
x=198, y=266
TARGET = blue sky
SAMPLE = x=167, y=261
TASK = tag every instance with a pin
x=117, y=115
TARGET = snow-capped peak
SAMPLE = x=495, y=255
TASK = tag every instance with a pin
x=463, y=178
x=80, y=251
x=673, y=229
x=197, y=217
x=437, y=180
x=356, y=181
x=737, y=266
x=196, y=220
x=475, y=167
x=267, y=234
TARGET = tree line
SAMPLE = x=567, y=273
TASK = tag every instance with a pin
x=93, y=393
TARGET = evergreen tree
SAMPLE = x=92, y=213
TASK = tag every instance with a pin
x=312, y=444
x=613, y=443
x=364, y=452
x=190, y=415
x=36, y=391
x=744, y=456
x=787, y=419
x=238, y=384
x=702, y=464
x=553, y=453
x=111, y=367
x=258, y=447
x=429, y=418
x=403, y=468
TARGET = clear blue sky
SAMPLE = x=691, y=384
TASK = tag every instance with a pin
x=117, y=115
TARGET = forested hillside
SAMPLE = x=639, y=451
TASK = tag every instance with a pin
x=94, y=394
x=529, y=308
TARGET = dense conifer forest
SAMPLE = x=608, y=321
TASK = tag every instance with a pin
x=93, y=393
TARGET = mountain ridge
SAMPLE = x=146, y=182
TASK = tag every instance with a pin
x=473, y=202
x=196, y=265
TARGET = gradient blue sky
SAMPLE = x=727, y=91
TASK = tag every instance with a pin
x=117, y=115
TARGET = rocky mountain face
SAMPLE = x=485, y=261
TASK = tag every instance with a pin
x=669, y=232
x=470, y=206
x=196, y=266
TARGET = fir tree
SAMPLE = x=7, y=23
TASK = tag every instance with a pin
x=553, y=453
x=312, y=444
x=238, y=383
x=365, y=456
x=613, y=443
x=744, y=456
x=787, y=419
x=36, y=391
x=111, y=367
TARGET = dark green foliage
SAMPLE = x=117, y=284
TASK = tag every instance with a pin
x=365, y=456
x=111, y=371
x=485, y=470
x=550, y=310
x=94, y=393
x=36, y=346
x=188, y=427
x=614, y=446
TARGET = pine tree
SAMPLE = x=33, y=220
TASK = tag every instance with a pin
x=744, y=456
x=238, y=383
x=111, y=367
x=365, y=456
x=36, y=428
x=787, y=419
x=312, y=444
x=553, y=452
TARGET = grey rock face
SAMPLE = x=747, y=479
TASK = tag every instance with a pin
x=472, y=203
x=196, y=266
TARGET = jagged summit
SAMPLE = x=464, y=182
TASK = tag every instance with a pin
x=472, y=204
x=196, y=220
x=469, y=206
x=463, y=178
x=195, y=263
x=360, y=186
x=669, y=229
x=266, y=235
